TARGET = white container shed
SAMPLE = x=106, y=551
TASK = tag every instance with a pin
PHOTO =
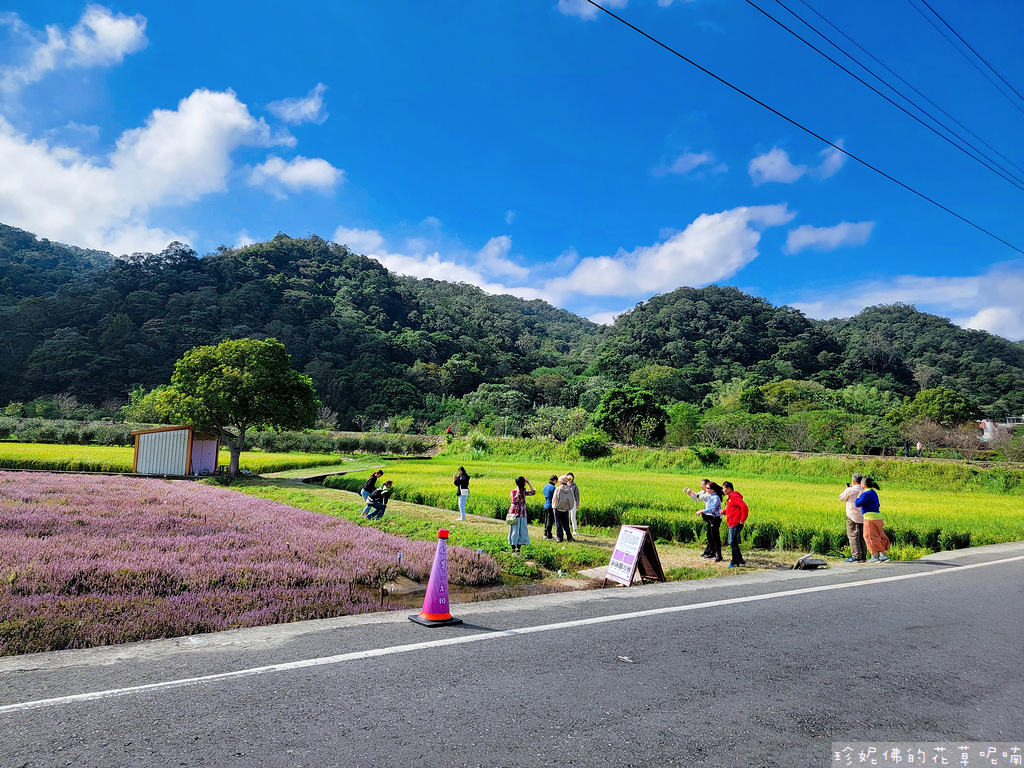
x=174, y=451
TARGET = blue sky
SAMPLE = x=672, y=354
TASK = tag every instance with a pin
x=535, y=147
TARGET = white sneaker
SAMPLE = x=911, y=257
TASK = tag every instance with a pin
x=873, y=559
x=883, y=558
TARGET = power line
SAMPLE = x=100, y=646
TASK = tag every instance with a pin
x=805, y=129
x=980, y=159
x=973, y=63
x=897, y=76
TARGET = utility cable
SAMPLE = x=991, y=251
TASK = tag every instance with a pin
x=897, y=76
x=973, y=63
x=805, y=129
x=977, y=157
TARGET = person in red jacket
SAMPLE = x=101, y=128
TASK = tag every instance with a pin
x=735, y=516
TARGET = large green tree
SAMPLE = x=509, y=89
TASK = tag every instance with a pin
x=943, y=406
x=237, y=385
x=632, y=415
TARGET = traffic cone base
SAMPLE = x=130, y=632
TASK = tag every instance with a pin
x=435, y=602
x=428, y=622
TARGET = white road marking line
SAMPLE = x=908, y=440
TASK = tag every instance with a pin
x=372, y=653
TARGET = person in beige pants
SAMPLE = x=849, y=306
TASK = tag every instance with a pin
x=855, y=520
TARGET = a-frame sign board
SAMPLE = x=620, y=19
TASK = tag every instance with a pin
x=634, y=552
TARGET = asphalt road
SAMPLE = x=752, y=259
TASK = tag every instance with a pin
x=758, y=670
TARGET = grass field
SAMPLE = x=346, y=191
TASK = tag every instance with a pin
x=104, y=458
x=793, y=510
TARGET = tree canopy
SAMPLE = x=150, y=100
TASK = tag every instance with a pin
x=240, y=385
x=377, y=345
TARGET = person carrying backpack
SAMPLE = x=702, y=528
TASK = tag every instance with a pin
x=378, y=502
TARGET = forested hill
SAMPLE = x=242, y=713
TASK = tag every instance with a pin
x=32, y=267
x=372, y=341
x=716, y=334
x=377, y=344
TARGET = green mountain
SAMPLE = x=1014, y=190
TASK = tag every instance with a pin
x=378, y=344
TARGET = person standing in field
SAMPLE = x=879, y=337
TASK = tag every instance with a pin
x=562, y=501
x=576, y=501
x=735, y=516
x=877, y=541
x=518, y=532
x=854, y=520
x=711, y=496
x=461, y=480
x=368, y=488
x=549, y=512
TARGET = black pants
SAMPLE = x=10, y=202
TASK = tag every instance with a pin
x=549, y=521
x=714, y=547
x=734, y=544
x=562, y=523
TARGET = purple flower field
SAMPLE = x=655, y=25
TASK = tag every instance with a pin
x=90, y=561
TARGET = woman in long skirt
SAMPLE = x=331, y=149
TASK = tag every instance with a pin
x=518, y=532
x=874, y=535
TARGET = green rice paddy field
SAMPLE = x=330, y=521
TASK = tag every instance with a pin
x=788, y=513
x=107, y=458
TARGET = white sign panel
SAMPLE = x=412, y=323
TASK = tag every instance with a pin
x=625, y=555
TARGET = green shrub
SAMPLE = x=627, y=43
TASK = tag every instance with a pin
x=346, y=444
x=931, y=540
x=706, y=455
x=686, y=531
x=589, y=445
x=907, y=552
x=762, y=535
x=903, y=536
x=372, y=444
x=955, y=539
x=821, y=543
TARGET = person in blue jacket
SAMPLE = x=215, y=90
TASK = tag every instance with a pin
x=549, y=511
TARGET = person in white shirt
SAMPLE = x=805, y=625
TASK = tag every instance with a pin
x=855, y=520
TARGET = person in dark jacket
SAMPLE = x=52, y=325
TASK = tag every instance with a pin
x=368, y=488
x=461, y=480
x=378, y=502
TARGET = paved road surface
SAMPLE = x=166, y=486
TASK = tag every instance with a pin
x=760, y=670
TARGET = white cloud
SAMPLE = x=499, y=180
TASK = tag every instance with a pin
x=775, y=165
x=605, y=318
x=99, y=39
x=244, y=239
x=176, y=158
x=832, y=159
x=689, y=161
x=844, y=234
x=585, y=10
x=295, y=175
x=493, y=259
x=301, y=109
x=510, y=216
x=363, y=241
x=715, y=246
x=425, y=264
x=991, y=301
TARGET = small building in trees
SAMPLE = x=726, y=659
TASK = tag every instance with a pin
x=174, y=451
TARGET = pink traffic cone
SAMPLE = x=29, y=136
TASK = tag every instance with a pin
x=435, y=611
